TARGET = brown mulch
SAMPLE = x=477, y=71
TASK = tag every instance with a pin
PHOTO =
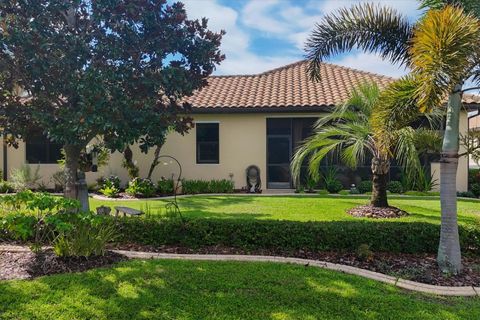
x=27, y=265
x=416, y=267
x=369, y=211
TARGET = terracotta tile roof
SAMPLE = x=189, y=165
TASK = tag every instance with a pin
x=287, y=88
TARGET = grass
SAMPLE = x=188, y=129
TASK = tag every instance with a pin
x=297, y=208
x=160, y=289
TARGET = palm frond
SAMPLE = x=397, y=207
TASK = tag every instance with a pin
x=470, y=6
x=441, y=53
x=369, y=27
x=405, y=150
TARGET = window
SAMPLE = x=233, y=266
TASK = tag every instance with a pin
x=207, y=143
x=41, y=150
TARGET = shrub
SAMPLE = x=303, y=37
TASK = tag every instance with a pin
x=220, y=186
x=24, y=178
x=204, y=186
x=166, y=187
x=467, y=194
x=322, y=191
x=110, y=187
x=288, y=236
x=424, y=181
x=344, y=192
x=334, y=186
x=58, y=179
x=473, y=176
x=364, y=253
x=365, y=186
x=6, y=187
x=142, y=188
x=395, y=187
x=475, y=188
x=422, y=193
x=84, y=235
x=194, y=186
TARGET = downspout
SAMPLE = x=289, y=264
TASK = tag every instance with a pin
x=5, y=159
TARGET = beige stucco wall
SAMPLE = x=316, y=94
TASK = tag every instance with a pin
x=242, y=143
x=462, y=172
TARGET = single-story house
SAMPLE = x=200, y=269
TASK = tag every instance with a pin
x=241, y=120
x=474, y=125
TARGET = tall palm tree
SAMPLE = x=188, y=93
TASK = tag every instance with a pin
x=442, y=50
x=348, y=132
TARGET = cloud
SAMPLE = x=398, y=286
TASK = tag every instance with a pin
x=406, y=7
x=372, y=63
x=285, y=24
x=236, y=44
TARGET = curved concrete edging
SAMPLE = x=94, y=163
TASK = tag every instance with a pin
x=281, y=194
x=469, y=291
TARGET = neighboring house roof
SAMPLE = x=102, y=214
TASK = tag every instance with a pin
x=287, y=88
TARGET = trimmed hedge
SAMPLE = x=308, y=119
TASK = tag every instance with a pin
x=284, y=236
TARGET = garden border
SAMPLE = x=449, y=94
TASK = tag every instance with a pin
x=280, y=194
x=468, y=291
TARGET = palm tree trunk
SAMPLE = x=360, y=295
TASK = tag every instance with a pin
x=449, y=255
x=380, y=170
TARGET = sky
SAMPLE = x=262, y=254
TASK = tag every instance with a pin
x=265, y=34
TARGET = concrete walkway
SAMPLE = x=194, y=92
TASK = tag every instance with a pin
x=469, y=291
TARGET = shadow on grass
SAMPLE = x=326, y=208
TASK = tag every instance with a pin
x=219, y=290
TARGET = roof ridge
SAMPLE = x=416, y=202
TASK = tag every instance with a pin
x=294, y=64
x=359, y=71
x=289, y=65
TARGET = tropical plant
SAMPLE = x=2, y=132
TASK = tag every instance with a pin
x=441, y=49
x=83, y=235
x=332, y=184
x=24, y=178
x=143, y=188
x=347, y=132
x=110, y=186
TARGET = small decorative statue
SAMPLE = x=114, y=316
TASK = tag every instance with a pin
x=254, y=184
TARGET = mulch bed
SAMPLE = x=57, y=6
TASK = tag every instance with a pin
x=369, y=211
x=27, y=265
x=416, y=267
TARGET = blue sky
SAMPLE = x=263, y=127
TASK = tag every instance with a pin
x=264, y=34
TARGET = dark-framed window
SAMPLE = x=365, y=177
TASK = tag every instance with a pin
x=208, y=144
x=39, y=149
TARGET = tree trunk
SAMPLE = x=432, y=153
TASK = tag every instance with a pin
x=155, y=161
x=380, y=170
x=72, y=157
x=449, y=255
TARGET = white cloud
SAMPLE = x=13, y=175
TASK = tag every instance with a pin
x=406, y=7
x=372, y=63
x=236, y=43
x=283, y=21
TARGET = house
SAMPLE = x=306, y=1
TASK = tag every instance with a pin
x=474, y=125
x=242, y=120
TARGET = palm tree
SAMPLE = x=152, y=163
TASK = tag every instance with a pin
x=442, y=51
x=348, y=132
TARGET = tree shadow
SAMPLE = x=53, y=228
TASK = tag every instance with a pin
x=158, y=289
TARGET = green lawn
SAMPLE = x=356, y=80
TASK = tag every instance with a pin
x=307, y=208
x=157, y=289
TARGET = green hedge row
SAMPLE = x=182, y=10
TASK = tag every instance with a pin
x=284, y=236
